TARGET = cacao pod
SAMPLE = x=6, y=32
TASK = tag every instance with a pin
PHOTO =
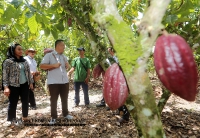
x=115, y=90
x=97, y=71
x=175, y=66
x=69, y=22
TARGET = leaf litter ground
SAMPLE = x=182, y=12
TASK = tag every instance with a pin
x=181, y=119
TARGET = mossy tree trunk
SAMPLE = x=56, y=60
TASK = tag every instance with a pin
x=133, y=55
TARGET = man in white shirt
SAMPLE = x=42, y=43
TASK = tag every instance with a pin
x=30, y=53
x=56, y=64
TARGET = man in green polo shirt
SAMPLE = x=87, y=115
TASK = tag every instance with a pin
x=81, y=65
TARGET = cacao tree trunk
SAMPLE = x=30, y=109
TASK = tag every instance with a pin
x=133, y=55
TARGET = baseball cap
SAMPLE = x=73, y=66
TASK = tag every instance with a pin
x=81, y=49
x=30, y=49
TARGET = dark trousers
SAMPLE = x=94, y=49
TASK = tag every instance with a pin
x=103, y=101
x=55, y=91
x=85, y=92
x=32, y=97
x=15, y=92
x=125, y=111
x=123, y=108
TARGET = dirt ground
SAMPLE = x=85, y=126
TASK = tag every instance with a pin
x=181, y=119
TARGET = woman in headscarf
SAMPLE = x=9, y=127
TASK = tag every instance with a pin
x=16, y=81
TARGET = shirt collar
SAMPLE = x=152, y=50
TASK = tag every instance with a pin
x=29, y=57
x=55, y=52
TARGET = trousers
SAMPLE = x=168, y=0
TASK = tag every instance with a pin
x=85, y=92
x=123, y=108
x=15, y=93
x=56, y=90
x=32, y=97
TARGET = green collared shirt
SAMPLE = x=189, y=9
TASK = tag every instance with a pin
x=80, y=72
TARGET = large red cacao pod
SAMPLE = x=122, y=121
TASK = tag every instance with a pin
x=97, y=71
x=115, y=90
x=175, y=66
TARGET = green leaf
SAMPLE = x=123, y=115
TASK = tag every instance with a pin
x=9, y=11
x=19, y=27
x=16, y=3
x=13, y=32
x=8, y=14
x=21, y=20
x=32, y=24
x=29, y=14
x=45, y=19
x=47, y=31
x=171, y=19
x=35, y=2
x=183, y=20
x=43, y=25
x=1, y=11
x=186, y=8
x=17, y=13
x=60, y=26
x=5, y=20
x=54, y=33
x=26, y=36
x=2, y=33
x=38, y=18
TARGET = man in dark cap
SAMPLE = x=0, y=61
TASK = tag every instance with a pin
x=81, y=65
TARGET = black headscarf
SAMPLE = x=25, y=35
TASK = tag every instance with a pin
x=11, y=54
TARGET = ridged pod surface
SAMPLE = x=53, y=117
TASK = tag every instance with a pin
x=115, y=90
x=175, y=66
x=97, y=71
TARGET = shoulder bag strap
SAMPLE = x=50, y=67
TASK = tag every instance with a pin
x=56, y=60
x=55, y=57
x=83, y=65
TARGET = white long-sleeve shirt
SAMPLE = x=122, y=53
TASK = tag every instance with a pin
x=32, y=63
